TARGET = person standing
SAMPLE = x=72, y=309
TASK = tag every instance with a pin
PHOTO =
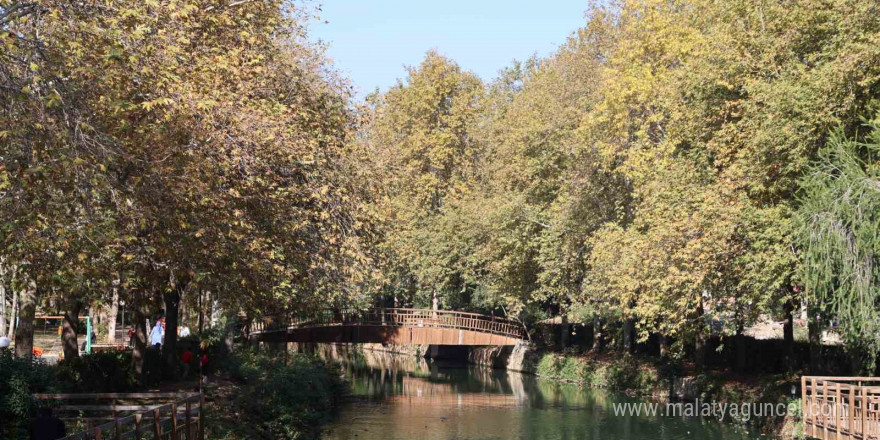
x=186, y=359
x=203, y=370
x=157, y=333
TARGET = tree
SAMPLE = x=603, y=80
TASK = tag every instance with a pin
x=420, y=137
x=174, y=144
x=840, y=240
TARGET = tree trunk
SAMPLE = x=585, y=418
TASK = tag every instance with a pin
x=814, y=327
x=201, y=312
x=3, y=327
x=140, y=340
x=215, y=311
x=740, y=348
x=111, y=316
x=700, y=340
x=628, y=335
x=183, y=310
x=664, y=345
x=69, y=330
x=629, y=329
x=435, y=300
x=13, y=315
x=169, y=346
x=597, y=334
x=566, y=331
x=4, y=311
x=24, y=332
x=788, y=335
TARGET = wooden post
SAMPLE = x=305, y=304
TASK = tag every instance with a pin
x=188, y=420
x=137, y=426
x=839, y=407
x=824, y=417
x=851, y=414
x=174, y=434
x=117, y=430
x=201, y=416
x=864, y=430
x=157, y=426
x=804, y=401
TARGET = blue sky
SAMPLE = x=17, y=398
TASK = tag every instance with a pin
x=370, y=41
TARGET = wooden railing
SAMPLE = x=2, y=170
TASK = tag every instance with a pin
x=841, y=407
x=138, y=416
x=398, y=317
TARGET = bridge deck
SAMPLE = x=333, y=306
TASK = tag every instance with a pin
x=394, y=326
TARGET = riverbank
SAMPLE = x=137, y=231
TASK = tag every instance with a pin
x=656, y=379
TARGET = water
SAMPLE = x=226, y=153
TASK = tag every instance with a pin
x=403, y=397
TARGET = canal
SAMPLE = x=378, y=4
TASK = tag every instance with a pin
x=405, y=397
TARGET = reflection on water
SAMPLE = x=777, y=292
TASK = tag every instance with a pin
x=404, y=397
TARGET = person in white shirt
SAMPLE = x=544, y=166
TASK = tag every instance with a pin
x=157, y=333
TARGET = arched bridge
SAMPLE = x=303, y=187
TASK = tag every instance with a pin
x=393, y=326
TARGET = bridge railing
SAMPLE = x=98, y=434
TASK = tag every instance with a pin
x=841, y=407
x=399, y=317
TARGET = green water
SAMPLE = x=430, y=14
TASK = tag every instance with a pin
x=407, y=398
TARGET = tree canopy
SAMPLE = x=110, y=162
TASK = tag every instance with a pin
x=673, y=165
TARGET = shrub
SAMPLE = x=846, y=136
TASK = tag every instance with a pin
x=19, y=380
x=283, y=400
x=621, y=374
x=102, y=372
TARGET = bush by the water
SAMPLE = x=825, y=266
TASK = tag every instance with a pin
x=622, y=373
x=282, y=398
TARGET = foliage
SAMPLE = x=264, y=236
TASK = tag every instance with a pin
x=620, y=374
x=283, y=398
x=19, y=380
x=840, y=236
x=103, y=372
x=421, y=149
x=646, y=171
x=177, y=145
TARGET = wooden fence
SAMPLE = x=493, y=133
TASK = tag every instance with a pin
x=836, y=408
x=119, y=416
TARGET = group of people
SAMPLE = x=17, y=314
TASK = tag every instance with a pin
x=157, y=338
x=157, y=333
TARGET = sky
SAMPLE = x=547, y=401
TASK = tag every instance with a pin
x=371, y=41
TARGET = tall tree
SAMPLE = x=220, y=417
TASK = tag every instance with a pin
x=840, y=237
x=420, y=136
